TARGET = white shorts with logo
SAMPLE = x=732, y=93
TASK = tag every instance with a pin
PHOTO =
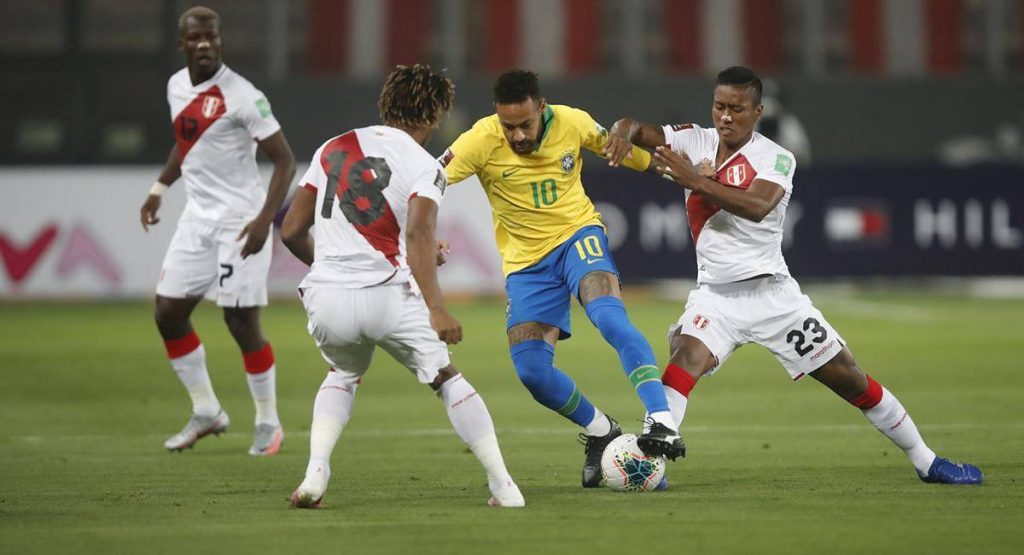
x=767, y=311
x=348, y=324
x=205, y=259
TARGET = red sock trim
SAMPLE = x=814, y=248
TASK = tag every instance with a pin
x=177, y=348
x=869, y=398
x=258, y=362
x=678, y=379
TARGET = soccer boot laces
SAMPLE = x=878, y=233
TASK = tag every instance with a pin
x=661, y=441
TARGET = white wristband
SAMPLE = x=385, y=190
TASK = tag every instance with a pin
x=158, y=189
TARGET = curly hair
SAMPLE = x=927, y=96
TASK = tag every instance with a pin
x=516, y=86
x=415, y=97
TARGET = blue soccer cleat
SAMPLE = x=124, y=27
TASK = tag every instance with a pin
x=945, y=471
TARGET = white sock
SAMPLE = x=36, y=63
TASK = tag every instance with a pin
x=662, y=417
x=599, y=426
x=191, y=370
x=676, y=405
x=264, y=395
x=331, y=412
x=890, y=418
x=472, y=422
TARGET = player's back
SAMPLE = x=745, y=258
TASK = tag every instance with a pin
x=364, y=180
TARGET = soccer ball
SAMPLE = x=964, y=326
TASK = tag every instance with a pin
x=627, y=468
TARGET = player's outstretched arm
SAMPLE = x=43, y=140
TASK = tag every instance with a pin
x=422, y=251
x=751, y=204
x=297, y=221
x=628, y=133
x=277, y=149
x=168, y=175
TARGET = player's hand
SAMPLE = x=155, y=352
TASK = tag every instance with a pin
x=677, y=166
x=447, y=327
x=706, y=169
x=148, y=212
x=618, y=148
x=255, y=234
x=443, y=250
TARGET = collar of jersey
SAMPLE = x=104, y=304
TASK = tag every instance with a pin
x=549, y=115
x=212, y=80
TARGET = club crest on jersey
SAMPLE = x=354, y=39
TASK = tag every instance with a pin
x=736, y=175
x=568, y=162
x=210, y=105
x=700, y=322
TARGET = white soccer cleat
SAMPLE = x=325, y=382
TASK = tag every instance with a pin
x=197, y=428
x=505, y=493
x=266, y=440
x=310, y=493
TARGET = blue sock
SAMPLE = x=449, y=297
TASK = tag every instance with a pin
x=635, y=353
x=550, y=386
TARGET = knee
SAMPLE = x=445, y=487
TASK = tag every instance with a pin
x=691, y=355
x=608, y=314
x=168, y=317
x=443, y=375
x=532, y=360
x=240, y=323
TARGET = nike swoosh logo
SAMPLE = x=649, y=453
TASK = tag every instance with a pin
x=507, y=173
x=594, y=260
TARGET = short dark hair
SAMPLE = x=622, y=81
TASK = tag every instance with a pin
x=199, y=13
x=516, y=86
x=415, y=96
x=742, y=77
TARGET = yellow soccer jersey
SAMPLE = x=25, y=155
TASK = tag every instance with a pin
x=537, y=200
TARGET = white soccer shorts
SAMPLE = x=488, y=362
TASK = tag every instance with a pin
x=767, y=311
x=347, y=325
x=205, y=260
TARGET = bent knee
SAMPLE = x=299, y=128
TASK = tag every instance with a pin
x=691, y=354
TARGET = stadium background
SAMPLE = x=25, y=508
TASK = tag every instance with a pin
x=907, y=218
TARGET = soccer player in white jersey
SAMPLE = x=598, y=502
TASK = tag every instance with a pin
x=736, y=198
x=371, y=196
x=221, y=248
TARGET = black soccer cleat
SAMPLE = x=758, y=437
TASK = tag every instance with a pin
x=661, y=441
x=593, y=448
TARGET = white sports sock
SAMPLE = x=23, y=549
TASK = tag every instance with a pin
x=676, y=405
x=191, y=370
x=664, y=417
x=331, y=412
x=263, y=388
x=472, y=422
x=599, y=426
x=890, y=418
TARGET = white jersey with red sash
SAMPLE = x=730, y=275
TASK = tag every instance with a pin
x=731, y=248
x=216, y=126
x=363, y=182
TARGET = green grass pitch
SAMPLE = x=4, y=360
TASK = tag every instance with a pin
x=87, y=398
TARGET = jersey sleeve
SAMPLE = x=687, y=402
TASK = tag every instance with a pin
x=467, y=155
x=429, y=181
x=684, y=139
x=314, y=178
x=256, y=116
x=594, y=137
x=777, y=166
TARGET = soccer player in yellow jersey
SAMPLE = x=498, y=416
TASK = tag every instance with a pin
x=553, y=247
